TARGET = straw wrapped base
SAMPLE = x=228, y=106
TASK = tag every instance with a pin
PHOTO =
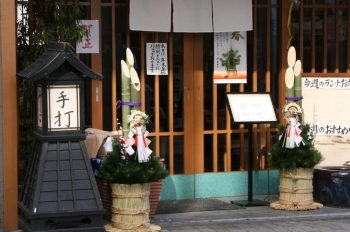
x=313, y=206
x=150, y=228
x=130, y=208
x=296, y=190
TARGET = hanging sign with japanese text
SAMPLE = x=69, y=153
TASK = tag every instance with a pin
x=325, y=105
x=230, y=57
x=156, y=59
x=90, y=43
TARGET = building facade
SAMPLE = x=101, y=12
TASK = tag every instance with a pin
x=205, y=152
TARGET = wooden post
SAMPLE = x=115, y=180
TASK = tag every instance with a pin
x=9, y=121
x=96, y=65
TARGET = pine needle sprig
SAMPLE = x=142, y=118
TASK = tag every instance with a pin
x=304, y=156
x=125, y=169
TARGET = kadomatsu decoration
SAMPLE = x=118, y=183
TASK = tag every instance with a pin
x=295, y=146
x=294, y=153
x=130, y=166
x=131, y=161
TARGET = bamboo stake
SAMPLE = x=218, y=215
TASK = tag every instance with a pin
x=291, y=56
x=289, y=79
x=129, y=58
x=125, y=97
x=135, y=88
x=297, y=82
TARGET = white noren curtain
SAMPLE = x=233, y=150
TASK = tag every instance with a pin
x=232, y=15
x=150, y=15
x=192, y=16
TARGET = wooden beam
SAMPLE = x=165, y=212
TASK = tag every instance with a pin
x=188, y=101
x=284, y=50
x=96, y=61
x=9, y=110
x=198, y=99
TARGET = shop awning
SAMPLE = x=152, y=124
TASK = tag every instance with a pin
x=191, y=15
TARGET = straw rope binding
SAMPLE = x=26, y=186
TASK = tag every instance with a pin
x=296, y=190
x=130, y=207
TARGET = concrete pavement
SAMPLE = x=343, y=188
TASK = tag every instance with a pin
x=256, y=218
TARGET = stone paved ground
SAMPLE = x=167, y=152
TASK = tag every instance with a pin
x=294, y=225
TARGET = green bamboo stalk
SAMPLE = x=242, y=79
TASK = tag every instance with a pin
x=297, y=82
x=135, y=88
x=125, y=97
x=289, y=80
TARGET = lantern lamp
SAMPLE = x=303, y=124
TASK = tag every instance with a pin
x=59, y=191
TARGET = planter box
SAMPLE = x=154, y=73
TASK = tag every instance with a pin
x=332, y=185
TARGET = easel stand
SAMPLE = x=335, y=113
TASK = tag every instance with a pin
x=250, y=201
x=251, y=108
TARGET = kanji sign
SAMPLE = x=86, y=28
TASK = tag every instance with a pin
x=90, y=43
x=64, y=107
x=157, y=59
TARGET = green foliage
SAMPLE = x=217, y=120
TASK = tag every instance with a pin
x=45, y=21
x=125, y=169
x=304, y=156
x=230, y=59
x=38, y=23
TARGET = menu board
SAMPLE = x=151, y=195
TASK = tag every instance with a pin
x=251, y=107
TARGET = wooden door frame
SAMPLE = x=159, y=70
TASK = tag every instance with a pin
x=193, y=103
x=9, y=144
x=96, y=65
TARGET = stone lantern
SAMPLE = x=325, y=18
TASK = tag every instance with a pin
x=59, y=191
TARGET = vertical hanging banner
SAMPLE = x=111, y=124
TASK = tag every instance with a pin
x=230, y=57
x=90, y=43
x=156, y=59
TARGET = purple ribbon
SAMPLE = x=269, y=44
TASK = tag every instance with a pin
x=124, y=103
x=294, y=98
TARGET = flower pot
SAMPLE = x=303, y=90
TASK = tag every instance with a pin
x=296, y=190
x=155, y=191
x=332, y=186
x=104, y=189
x=232, y=72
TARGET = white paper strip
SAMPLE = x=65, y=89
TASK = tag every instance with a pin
x=192, y=16
x=232, y=15
x=150, y=15
x=156, y=59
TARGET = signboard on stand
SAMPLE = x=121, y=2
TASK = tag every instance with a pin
x=251, y=108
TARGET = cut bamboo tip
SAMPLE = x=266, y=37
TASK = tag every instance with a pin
x=289, y=77
x=125, y=69
x=135, y=80
x=291, y=56
x=297, y=68
x=129, y=58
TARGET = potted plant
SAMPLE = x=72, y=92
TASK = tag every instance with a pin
x=130, y=167
x=230, y=60
x=295, y=155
